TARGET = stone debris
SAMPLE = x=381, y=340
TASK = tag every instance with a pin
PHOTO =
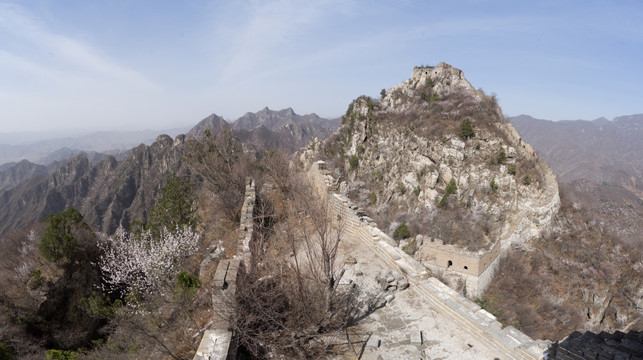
x=350, y=260
x=391, y=281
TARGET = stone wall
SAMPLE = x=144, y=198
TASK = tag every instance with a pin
x=534, y=211
x=476, y=268
x=460, y=260
x=467, y=314
x=216, y=341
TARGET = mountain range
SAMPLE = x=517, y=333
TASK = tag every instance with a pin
x=272, y=129
x=17, y=147
x=599, y=163
x=112, y=191
x=598, y=150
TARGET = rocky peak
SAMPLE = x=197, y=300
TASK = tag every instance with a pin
x=396, y=158
x=272, y=119
x=214, y=122
x=441, y=80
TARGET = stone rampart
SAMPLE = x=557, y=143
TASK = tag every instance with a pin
x=467, y=314
x=476, y=268
x=454, y=258
x=216, y=341
x=534, y=210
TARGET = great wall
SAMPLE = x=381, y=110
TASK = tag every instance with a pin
x=508, y=341
x=217, y=341
x=467, y=316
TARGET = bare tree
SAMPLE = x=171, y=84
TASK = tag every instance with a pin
x=290, y=304
x=220, y=161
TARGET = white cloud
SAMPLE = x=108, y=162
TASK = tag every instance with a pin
x=65, y=53
x=270, y=31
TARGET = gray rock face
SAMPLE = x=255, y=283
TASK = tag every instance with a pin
x=14, y=174
x=109, y=194
x=409, y=149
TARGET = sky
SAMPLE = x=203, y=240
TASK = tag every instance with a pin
x=80, y=65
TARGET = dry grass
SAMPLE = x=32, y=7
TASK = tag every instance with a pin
x=551, y=290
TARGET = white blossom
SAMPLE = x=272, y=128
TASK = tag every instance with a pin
x=144, y=262
x=24, y=270
x=27, y=247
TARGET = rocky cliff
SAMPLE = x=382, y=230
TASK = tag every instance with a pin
x=397, y=156
x=109, y=194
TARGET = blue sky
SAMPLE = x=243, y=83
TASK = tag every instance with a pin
x=89, y=65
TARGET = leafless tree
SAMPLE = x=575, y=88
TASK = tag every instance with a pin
x=291, y=303
x=220, y=161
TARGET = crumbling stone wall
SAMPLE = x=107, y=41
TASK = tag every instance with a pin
x=215, y=343
x=476, y=268
x=457, y=259
x=467, y=314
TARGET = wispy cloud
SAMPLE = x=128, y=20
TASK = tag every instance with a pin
x=267, y=33
x=65, y=53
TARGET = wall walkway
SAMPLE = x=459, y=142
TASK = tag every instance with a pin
x=470, y=317
x=216, y=342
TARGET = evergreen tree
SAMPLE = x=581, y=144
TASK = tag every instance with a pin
x=58, y=243
x=466, y=129
x=175, y=208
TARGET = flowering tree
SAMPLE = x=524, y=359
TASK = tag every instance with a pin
x=143, y=262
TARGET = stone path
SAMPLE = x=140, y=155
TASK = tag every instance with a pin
x=409, y=326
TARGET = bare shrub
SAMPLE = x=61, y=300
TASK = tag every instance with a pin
x=549, y=290
x=218, y=159
x=291, y=303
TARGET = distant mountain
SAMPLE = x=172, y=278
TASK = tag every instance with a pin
x=109, y=194
x=63, y=155
x=6, y=166
x=107, y=142
x=599, y=164
x=598, y=151
x=275, y=119
x=214, y=122
x=12, y=175
x=270, y=129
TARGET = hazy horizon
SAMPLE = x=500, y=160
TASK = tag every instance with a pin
x=26, y=137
